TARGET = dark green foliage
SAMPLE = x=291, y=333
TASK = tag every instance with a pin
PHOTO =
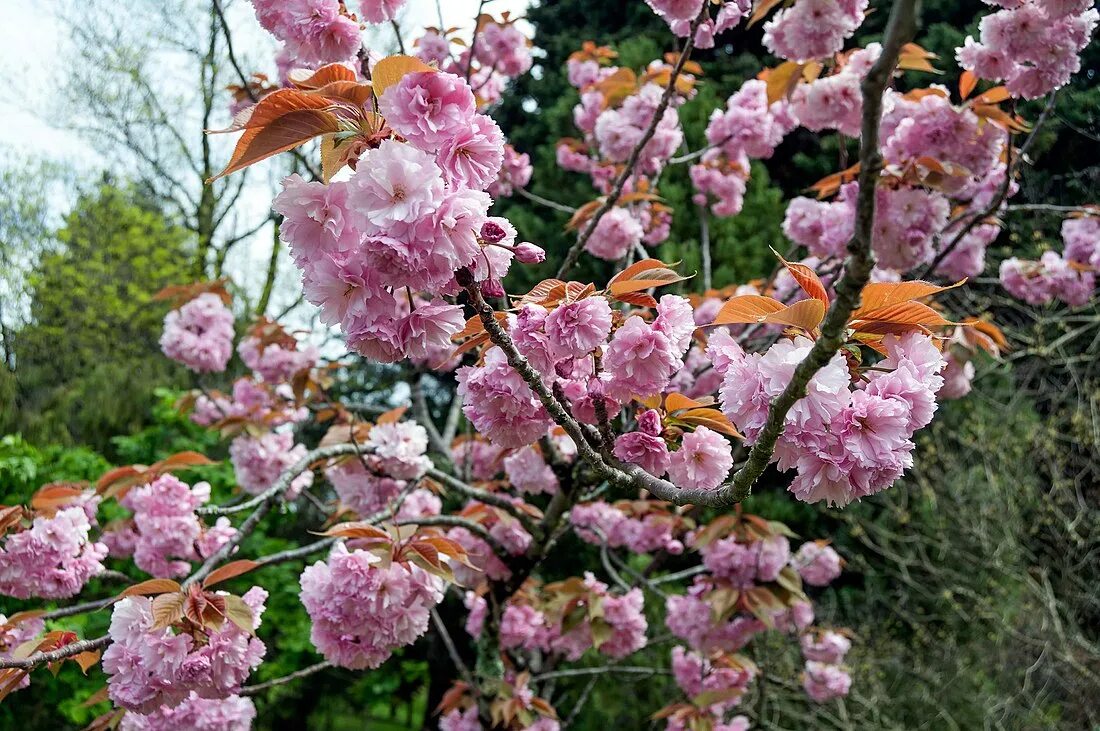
x=88, y=360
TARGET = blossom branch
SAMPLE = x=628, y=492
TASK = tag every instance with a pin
x=536, y=198
x=635, y=154
x=283, y=680
x=282, y=484
x=489, y=498
x=69, y=650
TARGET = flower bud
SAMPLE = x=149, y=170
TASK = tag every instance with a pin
x=492, y=232
x=492, y=288
x=650, y=422
x=528, y=253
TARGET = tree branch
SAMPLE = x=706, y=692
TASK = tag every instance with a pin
x=74, y=648
x=304, y=672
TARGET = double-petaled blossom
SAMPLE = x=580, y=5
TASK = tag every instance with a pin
x=499, y=403
x=315, y=31
x=55, y=557
x=235, y=713
x=362, y=609
x=818, y=564
x=1032, y=45
x=168, y=535
x=258, y=462
x=150, y=667
x=811, y=29
x=199, y=334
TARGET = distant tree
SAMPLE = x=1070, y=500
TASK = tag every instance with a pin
x=88, y=358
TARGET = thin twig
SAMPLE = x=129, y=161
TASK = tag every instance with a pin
x=283, y=680
x=536, y=198
x=73, y=648
x=451, y=649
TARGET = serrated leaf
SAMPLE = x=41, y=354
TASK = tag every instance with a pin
x=86, y=660
x=358, y=529
x=229, y=571
x=281, y=121
x=712, y=419
x=150, y=586
x=168, y=609
x=807, y=279
x=392, y=69
x=877, y=295
x=804, y=314
x=747, y=309
x=239, y=613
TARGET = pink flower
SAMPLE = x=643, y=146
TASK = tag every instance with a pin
x=429, y=328
x=818, y=564
x=639, y=359
x=812, y=29
x=152, y=668
x=647, y=451
x=616, y=233
x=825, y=682
x=575, y=329
x=826, y=647
x=395, y=183
x=529, y=473
x=676, y=320
x=428, y=107
x=957, y=377
x=199, y=334
x=361, y=610
x=703, y=460
x=380, y=11
x=53, y=558
x=275, y=361
x=515, y=172
x=315, y=220
x=499, y=403
x=473, y=156
x=233, y=713
x=259, y=461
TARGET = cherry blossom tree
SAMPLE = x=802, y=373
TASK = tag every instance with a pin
x=637, y=420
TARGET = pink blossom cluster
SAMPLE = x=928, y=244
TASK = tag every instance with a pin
x=679, y=14
x=14, y=635
x=749, y=124
x=719, y=675
x=392, y=454
x=258, y=461
x=315, y=31
x=151, y=667
x=275, y=362
x=812, y=29
x=499, y=403
x=363, y=609
x=502, y=48
x=1051, y=277
x=528, y=472
x=844, y=444
x=817, y=563
x=251, y=401
x=199, y=334
x=525, y=626
x=835, y=101
x=380, y=11
x=906, y=222
x=691, y=617
x=721, y=180
x=618, y=130
x=234, y=713
x=621, y=527
x=745, y=563
x=166, y=534
x=515, y=172
x=412, y=215
x=1031, y=45
x=932, y=126
x=1081, y=237
x=824, y=678
x=55, y=557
